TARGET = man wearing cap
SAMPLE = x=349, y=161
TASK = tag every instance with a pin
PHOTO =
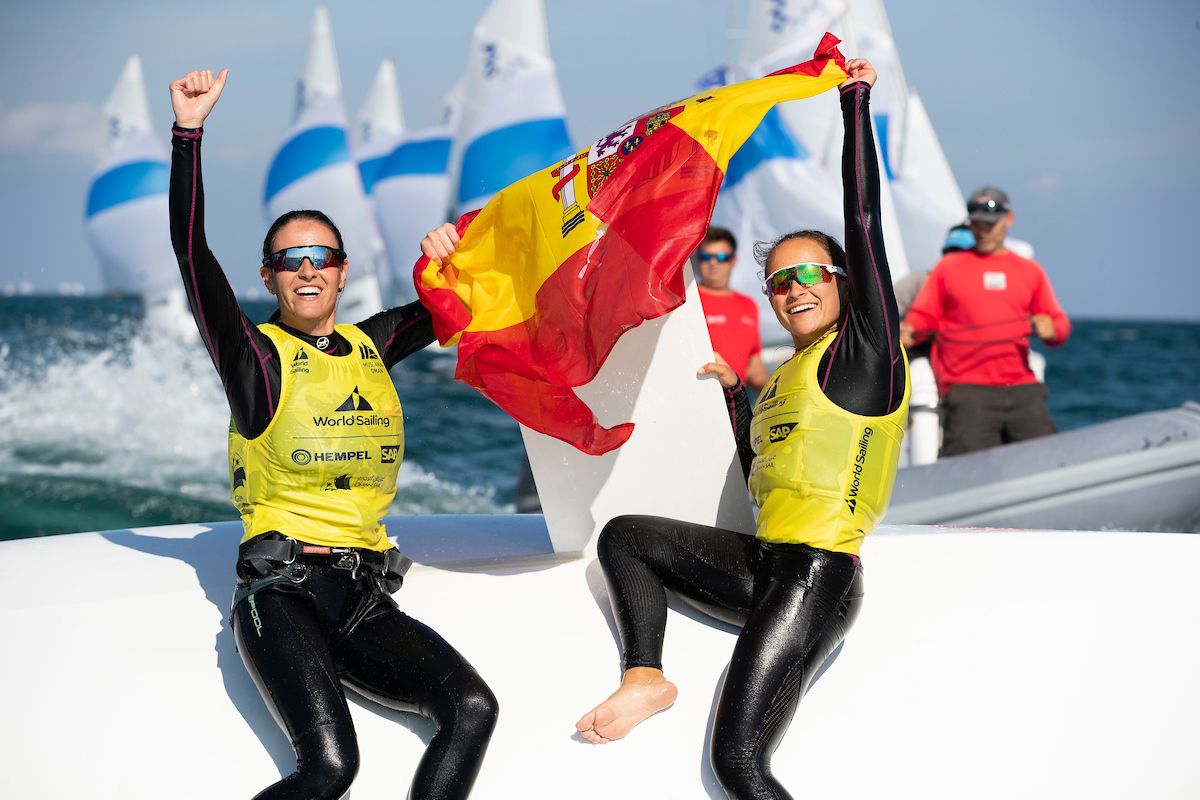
x=732, y=318
x=978, y=306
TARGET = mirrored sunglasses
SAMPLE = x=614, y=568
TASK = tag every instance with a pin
x=290, y=258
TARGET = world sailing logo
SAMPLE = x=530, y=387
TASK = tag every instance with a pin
x=860, y=459
x=348, y=416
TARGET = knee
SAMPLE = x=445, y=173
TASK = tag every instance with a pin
x=476, y=708
x=620, y=533
x=327, y=761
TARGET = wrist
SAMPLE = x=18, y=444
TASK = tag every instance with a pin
x=189, y=124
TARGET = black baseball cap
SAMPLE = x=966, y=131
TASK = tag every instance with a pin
x=988, y=204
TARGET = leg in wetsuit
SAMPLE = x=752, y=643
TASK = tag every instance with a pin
x=301, y=642
x=795, y=604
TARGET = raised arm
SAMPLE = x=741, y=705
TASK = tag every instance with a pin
x=870, y=280
x=245, y=359
x=863, y=372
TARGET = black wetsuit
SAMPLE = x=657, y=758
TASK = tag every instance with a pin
x=794, y=602
x=302, y=640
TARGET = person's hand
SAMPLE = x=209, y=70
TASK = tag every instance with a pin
x=1043, y=326
x=906, y=335
x=859, y=69
x=194, y=95
x=721, y=369
x=440, y=243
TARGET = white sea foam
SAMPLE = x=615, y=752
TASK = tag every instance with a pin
x=149, y=415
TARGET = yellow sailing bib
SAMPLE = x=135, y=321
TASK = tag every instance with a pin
x=324, y=470
x=822, y=476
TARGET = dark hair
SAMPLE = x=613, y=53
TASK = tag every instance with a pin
x=717, y=234
x=837, y=254
x=292, y=216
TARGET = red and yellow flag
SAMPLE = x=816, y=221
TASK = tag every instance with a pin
x=558, y=265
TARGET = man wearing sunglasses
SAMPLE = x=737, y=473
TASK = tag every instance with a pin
x=978, y=307
x=732, y=318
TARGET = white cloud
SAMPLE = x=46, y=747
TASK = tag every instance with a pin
x=69, y=128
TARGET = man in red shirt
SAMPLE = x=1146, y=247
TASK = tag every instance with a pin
x=978, y=306
x=732, y=318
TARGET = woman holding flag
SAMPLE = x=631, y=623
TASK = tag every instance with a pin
x=820, y=453
x=315, y=443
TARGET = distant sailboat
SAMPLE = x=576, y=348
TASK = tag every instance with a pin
x=127, y=216
x=412, y=194
x=513, y=119
x=927, y=197
x=378, y=129
x=380, y=124
x=313, y=168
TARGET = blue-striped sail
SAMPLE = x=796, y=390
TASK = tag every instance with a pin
x=513, y=119
x=126, y=211
x=314, y=168
x=780, y=33
x=411, y=197
x=127, y=215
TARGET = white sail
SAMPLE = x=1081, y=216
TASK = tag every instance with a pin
x=127, y=209
x=412, y=193
x=127, y=199
x=313, y=168
x=928, y=200
x=378, y=129
x=798, y=145
x=380, y=124
x=513, y=120
x=780, y=33
x=927, y=197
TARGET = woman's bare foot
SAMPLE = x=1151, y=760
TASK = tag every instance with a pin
x=643, y=693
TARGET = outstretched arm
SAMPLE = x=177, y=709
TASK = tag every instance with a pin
x=245, y=359
x=863, y=371
x=870, y=279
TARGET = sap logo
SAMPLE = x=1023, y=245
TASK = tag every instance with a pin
x=780, y=432
x=365, y=352
x=340, y=482
x=388, y=453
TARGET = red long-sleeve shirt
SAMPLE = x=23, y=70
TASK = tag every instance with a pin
x=977, y=308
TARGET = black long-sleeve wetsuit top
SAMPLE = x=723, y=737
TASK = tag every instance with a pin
x=862, y=371
x=246, y=358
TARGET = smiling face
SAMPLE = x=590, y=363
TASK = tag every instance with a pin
x=806, y=312
x=307, y=298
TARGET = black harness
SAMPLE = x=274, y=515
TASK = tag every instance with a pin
x=274, y=558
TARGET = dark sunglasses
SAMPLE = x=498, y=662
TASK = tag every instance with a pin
x=290, y=258
x=986, y=207
x=780, y=281
x=720, y=257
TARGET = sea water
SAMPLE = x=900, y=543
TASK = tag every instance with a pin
x=106, y=424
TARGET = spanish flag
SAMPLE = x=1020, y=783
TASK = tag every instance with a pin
x=558, y=265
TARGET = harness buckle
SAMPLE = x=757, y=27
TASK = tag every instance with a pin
x=350, y=560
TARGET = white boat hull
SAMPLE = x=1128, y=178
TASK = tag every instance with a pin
x=985, y=664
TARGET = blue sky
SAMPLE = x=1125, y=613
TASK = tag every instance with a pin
x=1085, y=112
